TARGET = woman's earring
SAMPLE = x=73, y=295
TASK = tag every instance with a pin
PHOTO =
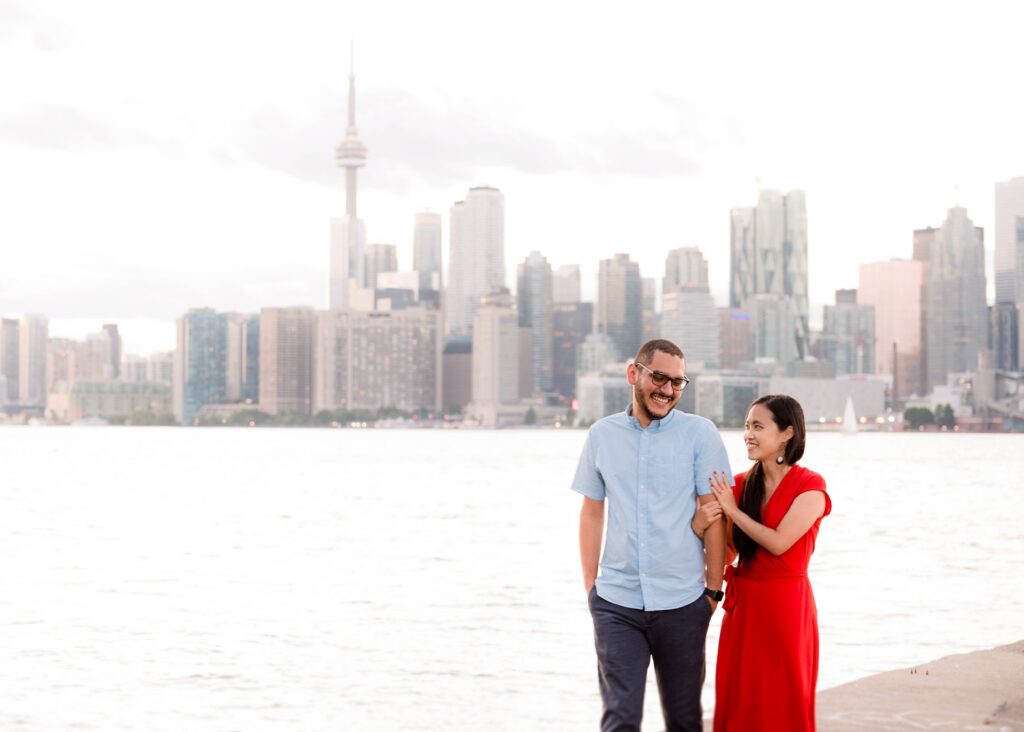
x=780, y=460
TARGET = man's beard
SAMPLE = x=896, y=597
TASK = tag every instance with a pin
x=638, y=395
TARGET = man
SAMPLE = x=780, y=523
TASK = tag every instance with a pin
x=652, y=464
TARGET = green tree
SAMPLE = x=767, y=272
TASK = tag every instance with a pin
x=944, y=416
x=531, y=416
x=918, y=416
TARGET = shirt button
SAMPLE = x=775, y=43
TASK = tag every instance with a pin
x=641, y=515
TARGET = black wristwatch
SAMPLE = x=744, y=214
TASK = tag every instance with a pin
x=715, y=595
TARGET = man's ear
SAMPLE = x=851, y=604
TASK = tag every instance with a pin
x=631, y=374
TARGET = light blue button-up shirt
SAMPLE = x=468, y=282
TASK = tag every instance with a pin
x=651, y=477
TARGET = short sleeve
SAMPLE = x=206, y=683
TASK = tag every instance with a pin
x=588, y=480
x=709, y=457
x=814, y=482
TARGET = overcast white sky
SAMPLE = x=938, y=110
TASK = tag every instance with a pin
x=161, y=156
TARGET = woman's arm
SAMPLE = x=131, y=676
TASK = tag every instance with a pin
x=807, y=508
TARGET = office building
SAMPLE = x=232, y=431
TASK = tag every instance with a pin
x=848, y=335
x=534, y=295
x=33, y=334
x=572, y=322
x=200, y=362
x=427, y=257
x=379, y=360
x=956, y=319
x=566, y=284
x=896, y=291
x=769, y=257
x=380, y=259
x=620, y=304
x=735, y=338
x=476, y=256
x=286, y=360
x=9, y=361
x=496, y=362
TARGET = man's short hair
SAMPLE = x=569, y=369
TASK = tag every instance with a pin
x=646, y=353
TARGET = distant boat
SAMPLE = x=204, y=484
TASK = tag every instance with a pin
x=849, y=419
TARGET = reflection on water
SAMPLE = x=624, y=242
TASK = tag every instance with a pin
x=169, y=579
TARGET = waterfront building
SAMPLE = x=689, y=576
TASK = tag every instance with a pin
x=348, y=234
x=848, y=336
x=33, y=333
x=566, y=284
x=620, y=304
x=534, y=294
x=603, y=392
x=74, y=400
x=572, y=322
x=496, y=361
x=9, y=361
x=768, y=254
x=735, y=338
x=725, y=396
x=896, y=291
x=457, y=378
x=243, y=358
x=200, y=362
x=286, y=360
x=379, y=360
x=824, y=400
x=476, y=256
x=957, y=314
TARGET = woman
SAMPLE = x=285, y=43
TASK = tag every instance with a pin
x=768, y=650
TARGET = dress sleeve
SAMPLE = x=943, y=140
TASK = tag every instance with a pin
x=814, y=482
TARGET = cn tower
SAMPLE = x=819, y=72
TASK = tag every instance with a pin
x=348, y=234
x=350, y=153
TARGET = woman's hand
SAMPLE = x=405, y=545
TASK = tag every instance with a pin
x=707, y=514
x=723, y=493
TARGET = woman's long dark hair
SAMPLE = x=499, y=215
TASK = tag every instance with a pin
x=786, y=412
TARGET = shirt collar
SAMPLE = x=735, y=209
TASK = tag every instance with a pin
x=656, y=425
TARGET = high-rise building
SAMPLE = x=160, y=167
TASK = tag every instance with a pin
x=735, y=338
x=380, y=259
x=773, y=316
x=566, y=284
x=160, y=367
x=1009, y=241
x=685, y=269
x=620, y=304
x=769, y=257
x=9, y=340
x=957, y=314
x=243, y=358
x=476, y=256
x=286, y=360
x=848, y=335
x=94, y=357
x=61, y=364
x=534, y=296
x=427, y=257
x=379, y=360
x=896, y=291
x=348, y=234
x=1006, y=332
x=200, y=362
x=457, y=377
x=572, y=322
x=649, y=310
x=688, y=315
x=690, y=320
x=495, y=357
x=116, y=348
x=32, y=337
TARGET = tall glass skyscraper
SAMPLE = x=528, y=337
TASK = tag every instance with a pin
x=620, y=304
x=200, y=362
x=769, y=257
x=476, y=256
x=535, y=296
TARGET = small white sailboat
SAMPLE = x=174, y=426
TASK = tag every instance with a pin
x=849, y=419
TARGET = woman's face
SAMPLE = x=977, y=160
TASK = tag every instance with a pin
x=763, y=438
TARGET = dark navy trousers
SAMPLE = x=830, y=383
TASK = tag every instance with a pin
x=626, y=640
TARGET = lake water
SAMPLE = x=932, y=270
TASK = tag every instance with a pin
x=232, y=579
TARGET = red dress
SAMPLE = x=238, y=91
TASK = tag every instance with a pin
x=768, y=650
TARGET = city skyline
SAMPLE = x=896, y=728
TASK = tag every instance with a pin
x=225, y=163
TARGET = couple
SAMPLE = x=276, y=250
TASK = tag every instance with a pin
x=665, y=557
